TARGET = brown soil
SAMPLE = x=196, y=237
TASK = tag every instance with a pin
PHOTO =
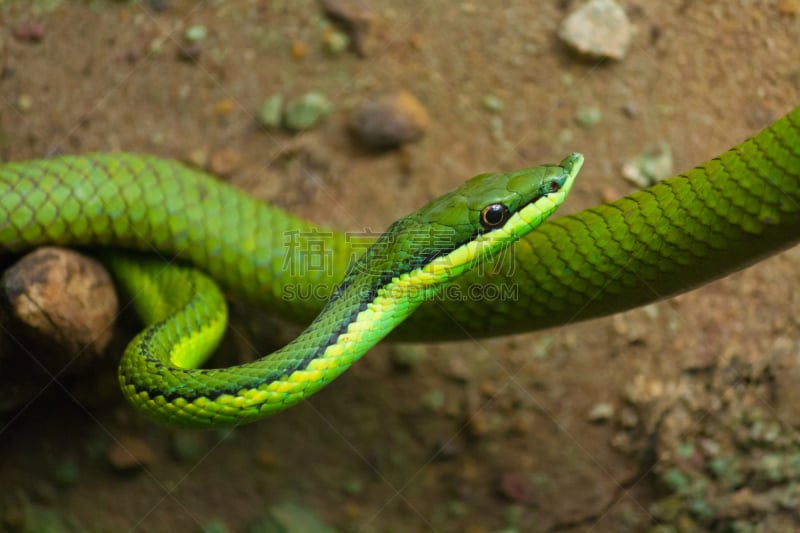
x=478, y=436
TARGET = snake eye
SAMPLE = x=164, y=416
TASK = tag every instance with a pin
x=493, y=216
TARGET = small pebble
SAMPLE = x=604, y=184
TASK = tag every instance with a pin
x=609, y=194
x=24, y=102
x=493, y=103
x=588, y=116
x=458, y=370
x=709, y=447
x=224, y=106
x=299, y=50
x=601, y=412
x=194, y=34
x=270, y=114
x=654, y=164
x=225, y=162
x=515, y=487
x=197, y=158
x=623, y=443
x=130, y=453
x=543, y=348
x=565, y=136
x=335, y=41
x=598, y=28
x=390, y=121
x=156, y=46
x=308, y=111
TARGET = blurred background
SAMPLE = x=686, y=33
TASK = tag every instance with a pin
x=679, y=416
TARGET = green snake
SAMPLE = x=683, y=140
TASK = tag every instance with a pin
x=719, y=217
x=129, y=201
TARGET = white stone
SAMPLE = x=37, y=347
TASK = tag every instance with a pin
x=599, y=28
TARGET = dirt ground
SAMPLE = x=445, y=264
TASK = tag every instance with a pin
x=481, y=436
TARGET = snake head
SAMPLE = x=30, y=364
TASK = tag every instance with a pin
x=474, y=221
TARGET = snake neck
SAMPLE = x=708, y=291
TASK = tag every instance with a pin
x=365, y=308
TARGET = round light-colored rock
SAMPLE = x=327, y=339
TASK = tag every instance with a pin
x=62, y=297
x=599, y=28
x=390, y=121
